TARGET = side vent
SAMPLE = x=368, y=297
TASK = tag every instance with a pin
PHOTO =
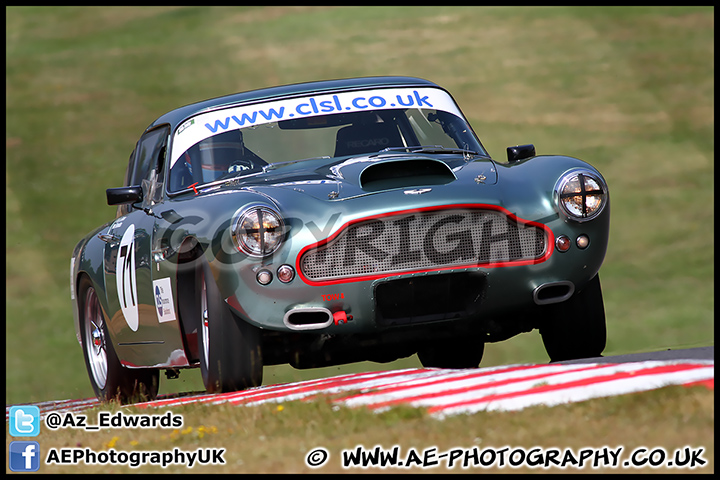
x=308, y=318
x=554, y=292
x=405, y=173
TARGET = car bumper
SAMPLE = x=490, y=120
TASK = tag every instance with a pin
x=447, y=295
x=368, y=301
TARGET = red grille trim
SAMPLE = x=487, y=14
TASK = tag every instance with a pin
x=474, y=262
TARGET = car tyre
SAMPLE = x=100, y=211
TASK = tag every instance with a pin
x=110, y=380
x=576, y=328
x=229, y=348
x=454, y=353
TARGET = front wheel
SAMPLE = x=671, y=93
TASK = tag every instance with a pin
x=576, y=328
x=109, y=379
x=229, y=348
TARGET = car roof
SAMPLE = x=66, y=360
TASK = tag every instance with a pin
x=177, y=116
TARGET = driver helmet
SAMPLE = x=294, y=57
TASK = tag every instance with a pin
x=223, y=153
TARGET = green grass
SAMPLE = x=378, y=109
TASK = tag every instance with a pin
x=630, y=90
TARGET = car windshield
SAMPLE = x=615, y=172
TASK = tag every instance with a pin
x=246, y=140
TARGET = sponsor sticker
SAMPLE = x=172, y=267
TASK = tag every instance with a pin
x=211, y=123
x=164, y=305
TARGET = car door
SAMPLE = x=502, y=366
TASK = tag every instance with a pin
x=128, y=259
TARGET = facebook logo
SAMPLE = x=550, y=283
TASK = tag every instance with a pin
x=24, y=421
x=24, y=456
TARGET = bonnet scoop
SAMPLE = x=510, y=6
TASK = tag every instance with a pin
x=405, y=173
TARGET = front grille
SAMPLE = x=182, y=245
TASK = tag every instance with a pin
x=425, y=240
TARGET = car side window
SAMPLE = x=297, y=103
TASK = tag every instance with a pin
x=148, y=150
x=129, y=170
x=145, y=164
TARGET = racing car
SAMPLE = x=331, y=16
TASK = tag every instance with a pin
x=333, y=222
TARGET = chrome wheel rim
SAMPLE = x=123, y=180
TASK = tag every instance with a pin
x=95, y=342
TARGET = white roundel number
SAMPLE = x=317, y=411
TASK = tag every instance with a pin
x=125, y=278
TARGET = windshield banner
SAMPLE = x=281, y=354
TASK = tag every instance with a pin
x=208, y=124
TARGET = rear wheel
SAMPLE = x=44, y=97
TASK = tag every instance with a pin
x=576, y=328
x=229, y=348
x=466, y=352
x=109, y=379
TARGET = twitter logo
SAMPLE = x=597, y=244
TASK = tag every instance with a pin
x=24, y=421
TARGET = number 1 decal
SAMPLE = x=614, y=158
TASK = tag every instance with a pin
x=125, y=278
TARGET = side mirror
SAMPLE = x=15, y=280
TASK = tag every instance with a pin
x=123, y=195
x=520, y=152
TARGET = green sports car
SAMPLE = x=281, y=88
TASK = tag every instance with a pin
x=331, y=222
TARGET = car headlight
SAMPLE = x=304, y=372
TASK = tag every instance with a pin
x=581, y=195
x=258, y=231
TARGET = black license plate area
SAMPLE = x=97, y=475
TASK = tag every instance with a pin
x=429, y=298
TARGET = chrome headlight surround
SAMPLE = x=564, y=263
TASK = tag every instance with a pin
x=581, y=195
x=257, y=231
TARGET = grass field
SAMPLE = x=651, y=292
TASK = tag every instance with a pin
x=628, y=89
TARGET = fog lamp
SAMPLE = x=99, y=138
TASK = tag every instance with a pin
x=582, y=241
x=285, y=273
x=562, y=243
x=264, y=277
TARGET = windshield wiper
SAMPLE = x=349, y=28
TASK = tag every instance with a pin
x=430, y=149
x=273, y=166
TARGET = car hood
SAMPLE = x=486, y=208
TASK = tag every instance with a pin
x=368, y=175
